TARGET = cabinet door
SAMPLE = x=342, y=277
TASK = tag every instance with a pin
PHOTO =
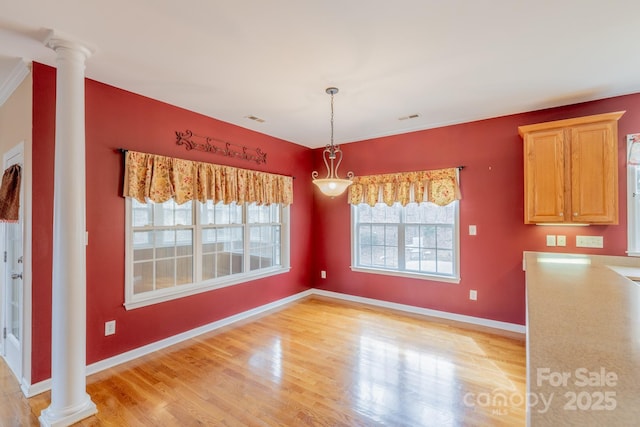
x=594, y=173
x=544, y=176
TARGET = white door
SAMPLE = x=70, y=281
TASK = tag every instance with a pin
x=12, y=306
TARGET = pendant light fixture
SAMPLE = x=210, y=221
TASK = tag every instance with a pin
x=332, y=185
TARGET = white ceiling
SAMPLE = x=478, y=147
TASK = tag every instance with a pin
x=449, y=61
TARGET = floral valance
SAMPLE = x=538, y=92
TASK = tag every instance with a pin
x=436, y=186
x=160, y=178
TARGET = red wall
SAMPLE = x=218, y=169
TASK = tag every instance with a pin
x=492, y=199
x=492, y=191
x=114, y=119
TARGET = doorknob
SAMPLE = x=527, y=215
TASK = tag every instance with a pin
x=16, y=276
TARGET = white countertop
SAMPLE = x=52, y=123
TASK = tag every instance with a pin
x=583, y=340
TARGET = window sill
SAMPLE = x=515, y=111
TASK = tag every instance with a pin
x=197, y=288
x=431, y=277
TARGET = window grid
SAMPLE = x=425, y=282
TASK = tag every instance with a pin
x=169, y=248
x=417, y=239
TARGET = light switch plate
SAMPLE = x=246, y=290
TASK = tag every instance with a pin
x=473, y=230
x=551, y=240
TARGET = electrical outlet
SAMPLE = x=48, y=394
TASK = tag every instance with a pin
x=473, y=295
x=323, y=274
x=589, y=241
x=561, y=240
x=551, y=240
x=473, y=230
x=109, y=327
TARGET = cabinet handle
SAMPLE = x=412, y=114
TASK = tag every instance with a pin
x=575, y=214
x=561, y=214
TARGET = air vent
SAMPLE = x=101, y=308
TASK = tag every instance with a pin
x=412, y=116
x=254, y=118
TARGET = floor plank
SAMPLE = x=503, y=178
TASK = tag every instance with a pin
x=317, y=362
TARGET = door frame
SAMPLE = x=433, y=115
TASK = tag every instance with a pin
x=25, y=202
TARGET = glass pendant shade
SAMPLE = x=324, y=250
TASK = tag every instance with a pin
x=332, y=185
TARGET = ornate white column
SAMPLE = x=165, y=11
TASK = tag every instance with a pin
x=69, y=399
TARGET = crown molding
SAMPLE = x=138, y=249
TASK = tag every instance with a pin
x=17, y=74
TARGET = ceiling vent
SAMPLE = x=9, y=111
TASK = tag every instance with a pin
x=412, y=116
x=256, y=119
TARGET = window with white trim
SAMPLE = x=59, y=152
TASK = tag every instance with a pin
x=633, y=203
x=178, y=250
x=418, y=240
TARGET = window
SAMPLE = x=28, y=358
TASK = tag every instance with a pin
x=417, y=240
x=177, y=250
x=633, y=204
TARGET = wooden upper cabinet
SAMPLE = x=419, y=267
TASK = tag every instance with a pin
x=544, y=176
x=571, y=170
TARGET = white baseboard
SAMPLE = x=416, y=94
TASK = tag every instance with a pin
x=495, y=324
x=40, y=387
x=30, y=390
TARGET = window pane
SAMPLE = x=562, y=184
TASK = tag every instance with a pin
x=428, y=236
x=207, y=213
x=365, y=255
x=165, y=243
x=412, y=236
x=165, y=273
x=444, y=237
x=223, y=264
x=142, y=245
x=142, y=214
x=183, y=214
x=184, y=270
x=237, y=263
x=377, y=235
x=364, y=213
x=208, y=266
x=142, y=277
x=184, y=242
x=391, y=235
x=260, y=214
x=391, y=257
x=377, y=256
x=412, y=213
x=275, y=212
x=365, y=236
x=378, y=213
x=445, y=264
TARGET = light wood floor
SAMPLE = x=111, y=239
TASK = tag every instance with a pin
x=317, y=362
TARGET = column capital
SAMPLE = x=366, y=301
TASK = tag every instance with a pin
x=58, y=42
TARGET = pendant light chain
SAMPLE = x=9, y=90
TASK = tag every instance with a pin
x=332, y=93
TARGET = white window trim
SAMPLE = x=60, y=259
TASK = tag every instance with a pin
x=633, y=246
x=454, y=278
x=133, y=301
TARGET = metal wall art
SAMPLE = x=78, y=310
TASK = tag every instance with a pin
x=209, y=144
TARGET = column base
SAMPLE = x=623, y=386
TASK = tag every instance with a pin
x=51, y=418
